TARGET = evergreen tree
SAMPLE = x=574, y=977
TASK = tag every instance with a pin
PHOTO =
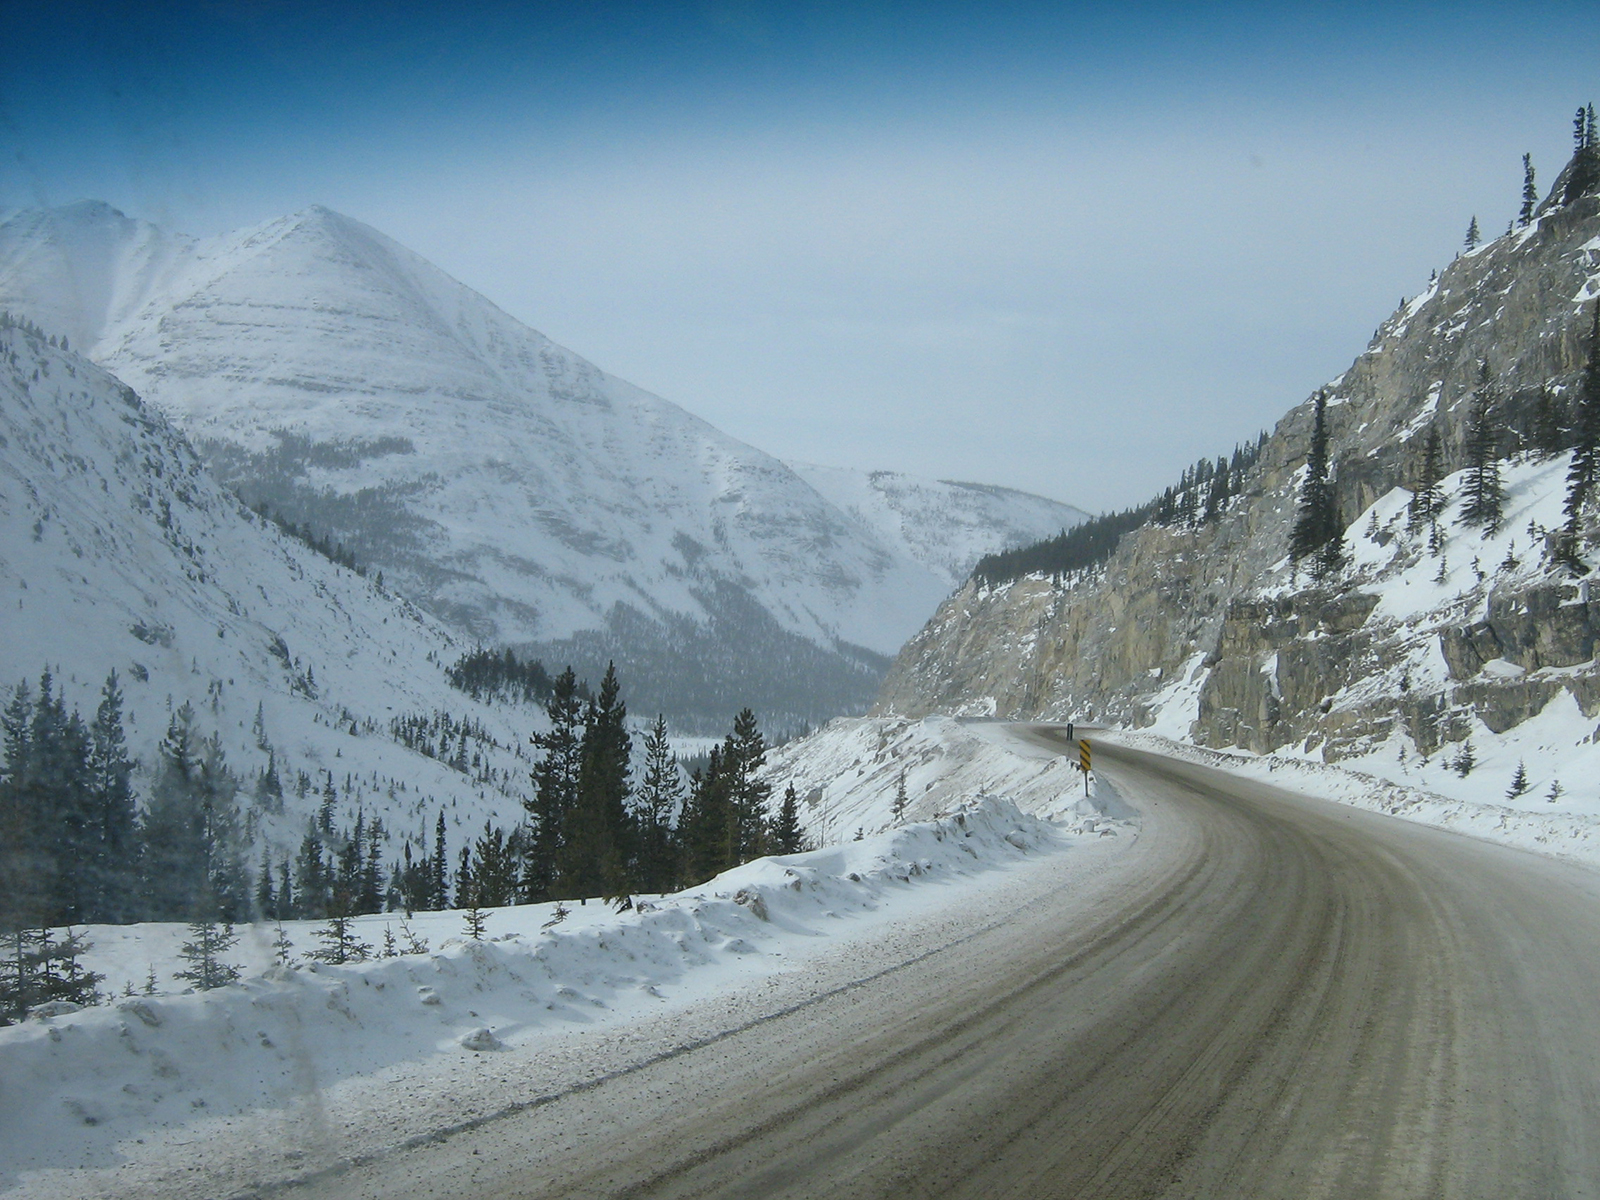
x=36, y=968
x=1519, y=781
x=703, y=833
x=286, y=897
x=744, y=753
x=1316, y=533
x=208, y=942
x=1483, y=496
x=266, y=894
x=52, y=790
x=592, y=857
x=330, y=797
x=192, y=861
x=173, y=830
x=496, y=867
x=1426, y=499
x=1530, y=194
x=438, y=876
x=477, y=920
x=313, y=882
x=269, y=787
x=1546, y=434
x=1218, y=492
x=657, y=806
x=897, y=807
x=339, y=941
x=1585, y=468
x=371, y=891
x=113, y=868
x=1584, y=171
x=1473, y=236
x=788, y=837
x=20, y=904
x=555, y=786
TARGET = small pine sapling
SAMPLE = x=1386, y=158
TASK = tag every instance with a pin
x=389, y=950
x=558, y=916
x=477, y=920
x=339, y=943
x=281, y=945
x=414, y=944
x=208, y=941
x=150, y=981
x=1466, y=759
x=898, y=808
x=1519, y=781
x=1555, y=792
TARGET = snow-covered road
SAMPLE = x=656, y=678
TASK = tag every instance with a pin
x=1267, y=996
x=1255, y=994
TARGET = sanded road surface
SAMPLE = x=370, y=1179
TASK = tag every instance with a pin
x=1271, y=997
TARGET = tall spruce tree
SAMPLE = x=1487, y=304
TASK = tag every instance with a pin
x=25, y=873
x=1585, y=468
x=1530, y=194
x=744, y=753
x=657, y=807
x=438, y=869
x=703, y=833
x=1426, y=498
x=555, y=786
x=1473, y=236
x=788, y=836
x=1316, y=533
x=1546, y=434
x=593, y=855
x=1483, y=495
x=50, y=788
x=1584, y=170
x=113, y=869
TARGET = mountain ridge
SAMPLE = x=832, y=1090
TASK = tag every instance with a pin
x=1205, y=629
x=507, y=484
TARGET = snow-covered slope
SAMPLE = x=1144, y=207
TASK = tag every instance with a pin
x=945, y=525
x=118, y=551
x=512, y=488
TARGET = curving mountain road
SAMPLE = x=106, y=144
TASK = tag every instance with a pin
x=1271, y=997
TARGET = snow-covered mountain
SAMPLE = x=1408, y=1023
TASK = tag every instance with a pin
x=945, y=525
x=512, y=488
x=118, y=551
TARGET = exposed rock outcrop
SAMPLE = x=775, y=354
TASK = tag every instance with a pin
x=1211, y=619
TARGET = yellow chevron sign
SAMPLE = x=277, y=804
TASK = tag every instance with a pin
x=1083, y=754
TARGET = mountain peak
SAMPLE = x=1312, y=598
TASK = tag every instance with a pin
x=90, y=212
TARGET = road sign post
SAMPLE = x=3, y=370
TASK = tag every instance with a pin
x=1083, y=761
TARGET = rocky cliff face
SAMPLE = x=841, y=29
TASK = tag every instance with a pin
x=1208, y=628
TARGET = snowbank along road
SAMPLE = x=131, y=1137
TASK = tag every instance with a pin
x=1269, y=996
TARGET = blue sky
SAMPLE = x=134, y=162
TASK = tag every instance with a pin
x=1066, y=248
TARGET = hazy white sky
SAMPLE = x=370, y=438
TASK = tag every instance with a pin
x=1064, y=248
